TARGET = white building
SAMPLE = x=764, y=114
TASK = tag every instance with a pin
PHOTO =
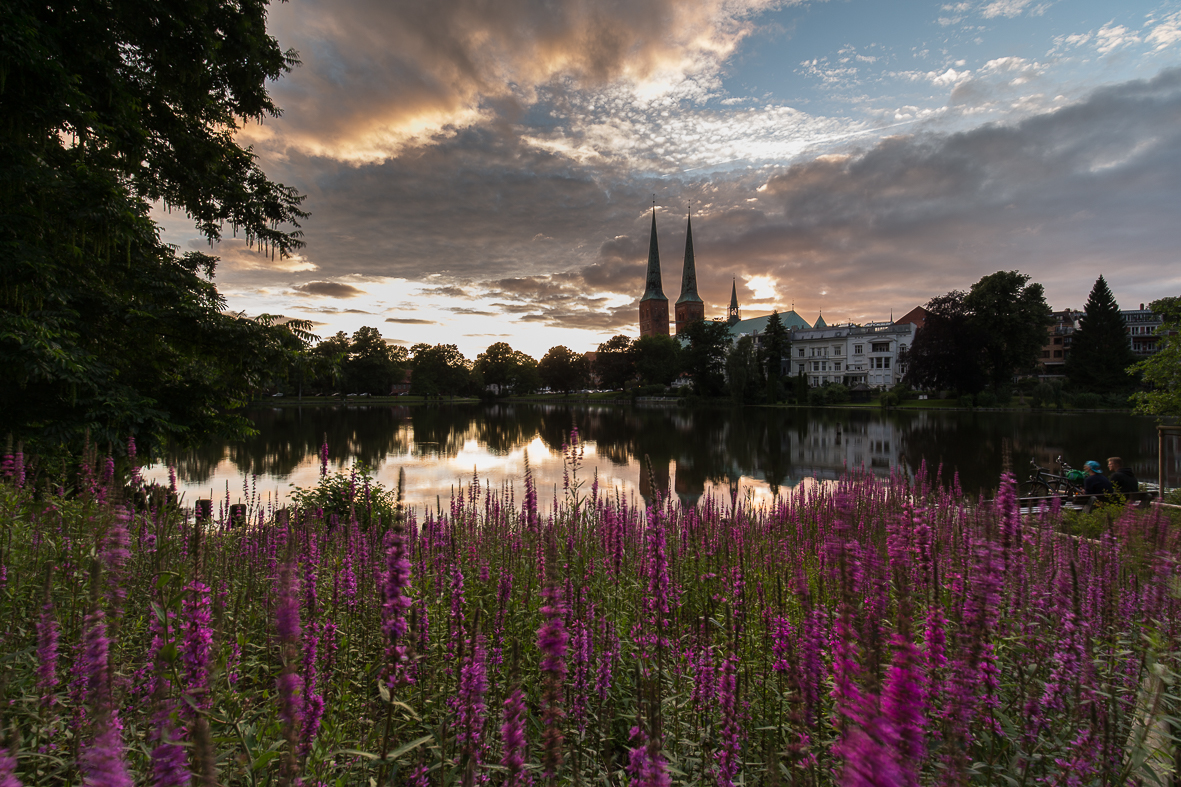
x=851, y=354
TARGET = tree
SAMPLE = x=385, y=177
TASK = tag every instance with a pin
x=373, y=365
x=775, y=348
x=511, y=371
x=1162, y=369
x=948, y=351
x=1099, y=353
x=705, y=356
x=657, y=359
x=615, y=362
x=104, y=329
x=439, y=369
x=1012, y=318
x=744, y=373
x=562, y=369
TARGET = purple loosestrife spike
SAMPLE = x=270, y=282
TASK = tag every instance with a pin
x=646, y=763
x=8, y=769
x=728, y=757
x=102, y=761
x=552, y=640
x=289, y=684
x=197, y=644
x=170, y=762
x=473, y=684
x=114, y=553
x=512, y=734
x=47, y=635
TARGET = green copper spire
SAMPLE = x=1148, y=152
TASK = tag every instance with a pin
x=653, y=291
x=689, y=272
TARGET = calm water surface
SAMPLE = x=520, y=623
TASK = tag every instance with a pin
x=754, y=452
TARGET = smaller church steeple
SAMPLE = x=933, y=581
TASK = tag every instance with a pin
x=733, y=314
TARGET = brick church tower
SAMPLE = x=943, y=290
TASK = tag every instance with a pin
x=689, y=308
x=654, y=304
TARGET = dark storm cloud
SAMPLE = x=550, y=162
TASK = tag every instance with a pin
x=410, y=321
x=328, y=289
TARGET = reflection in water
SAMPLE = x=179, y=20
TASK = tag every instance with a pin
x=690, y=451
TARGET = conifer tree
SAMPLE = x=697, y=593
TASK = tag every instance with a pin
x=1099, y=352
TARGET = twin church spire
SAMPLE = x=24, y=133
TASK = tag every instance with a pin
x=654, y=305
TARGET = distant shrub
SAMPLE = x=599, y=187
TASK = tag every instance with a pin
x=1087, y=401
x=338, y=493
x=986, y=399
x=967, y=401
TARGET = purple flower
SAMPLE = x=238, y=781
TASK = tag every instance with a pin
x=552, y=640
x=113, y=554
x=512, y=735
x=646, y=764
x=102, y=761
x=728, y=756
x=197, y=644
x=397, y=602
x=473, y=684
x=47, y=633
x=289, y=684
x=8, y=769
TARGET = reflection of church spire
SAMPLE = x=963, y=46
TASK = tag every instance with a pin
x=654, y=304
x=689, y=308
x=733, y=315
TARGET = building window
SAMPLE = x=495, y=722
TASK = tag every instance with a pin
x=802, y=366
x=1045, y=353
x=815, y=366
x=801, y=352
x=836, y=350
x=880, y=347
x=1057, y=353
x=857, y=349
x=1057, y=340
x=836, y=366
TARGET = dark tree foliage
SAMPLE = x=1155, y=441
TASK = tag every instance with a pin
x=373, y=365
x=511, y=371
x=1099, y=350
x=775, y=348
x=106, y=108
x=948, y=351
x=704, y=358
x=615, y=362
x=1012, y=317
x=562, y=369
x=744, y=373
x=1162, y=370
x=439, y=370
x=658, y=359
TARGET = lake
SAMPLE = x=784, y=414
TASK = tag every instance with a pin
x=752, y=452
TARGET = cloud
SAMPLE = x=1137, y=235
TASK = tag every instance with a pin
x=328, y=289
x=378, y=77
x=445, y=292
x=1164, y=33
x=410, y=321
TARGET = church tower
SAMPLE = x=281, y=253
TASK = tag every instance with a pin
x=654, y=304
x=733, y=315
x=690, y=308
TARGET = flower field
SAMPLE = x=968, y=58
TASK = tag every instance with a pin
x=860, y=632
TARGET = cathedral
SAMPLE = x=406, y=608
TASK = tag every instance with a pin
x=689, y=307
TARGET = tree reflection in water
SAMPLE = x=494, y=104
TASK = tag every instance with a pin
x=689, y=450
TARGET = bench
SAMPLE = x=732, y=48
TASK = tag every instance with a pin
x=1138, y=499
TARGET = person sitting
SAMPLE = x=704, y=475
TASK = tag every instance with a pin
x=1096, y=483
x=1122, y=477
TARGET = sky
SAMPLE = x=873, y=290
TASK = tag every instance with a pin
x=481, y=172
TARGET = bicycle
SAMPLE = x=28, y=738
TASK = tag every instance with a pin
x=1043, y=483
